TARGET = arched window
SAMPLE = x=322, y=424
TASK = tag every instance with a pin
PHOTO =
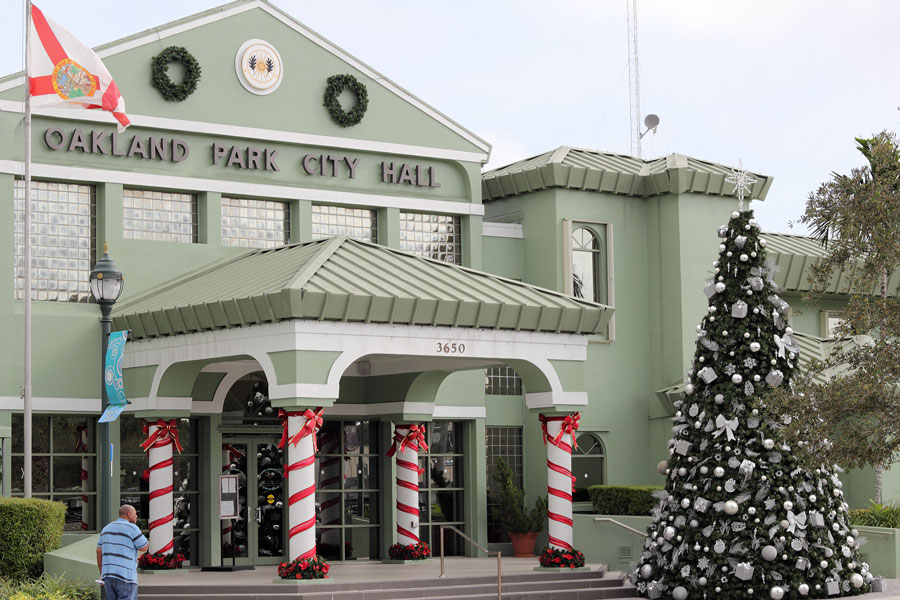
x=588, y=465
x=587, y=280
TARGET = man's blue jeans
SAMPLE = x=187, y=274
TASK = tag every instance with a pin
x=116, y=589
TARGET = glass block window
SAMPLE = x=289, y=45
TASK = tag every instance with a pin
x=63, y=465
x=63, y=249
x=357, y=223
x=161, y=216
x=505, y=443
x=255, y=223
x=135, y=482
x=502, y=381
x=431, y=236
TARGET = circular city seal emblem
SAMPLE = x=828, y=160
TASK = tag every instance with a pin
x=259, y=67
x=71, y=80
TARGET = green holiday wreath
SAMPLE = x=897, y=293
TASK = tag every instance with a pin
x=160, y=71
x=336, y=85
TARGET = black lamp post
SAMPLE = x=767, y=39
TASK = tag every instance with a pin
x=106, y=287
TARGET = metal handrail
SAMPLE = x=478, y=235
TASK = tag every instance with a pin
x=622, y=525
x=477, y=545
x=859, y=527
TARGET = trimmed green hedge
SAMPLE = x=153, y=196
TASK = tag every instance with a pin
x=28, y=528
x=877, y=515
x=632, y=500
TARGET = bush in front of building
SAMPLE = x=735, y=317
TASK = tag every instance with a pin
x=419, y=551
x=157, y=561
x=631, y=500
x=47, y=587
x=28, y=529
x=304, y=568
x=557, y=557
x=877, y=515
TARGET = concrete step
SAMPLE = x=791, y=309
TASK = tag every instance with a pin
x=584, y=585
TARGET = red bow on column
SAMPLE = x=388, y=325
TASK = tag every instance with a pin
x=313, y=424
x=161, y=436
x=80, y=446
x=233, y=452
x=416, y=434
x=569, y=425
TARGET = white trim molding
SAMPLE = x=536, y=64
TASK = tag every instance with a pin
x=502, y=230
x=240, y=188
x=269, y=135
x=44, y=404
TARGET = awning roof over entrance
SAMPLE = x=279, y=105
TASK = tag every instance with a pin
x=341, y=279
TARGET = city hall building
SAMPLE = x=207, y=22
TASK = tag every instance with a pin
x=355, y=275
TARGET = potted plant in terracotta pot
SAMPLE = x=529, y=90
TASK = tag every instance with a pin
x=522, y=525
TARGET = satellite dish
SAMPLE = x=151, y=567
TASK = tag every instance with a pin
x=651, y=121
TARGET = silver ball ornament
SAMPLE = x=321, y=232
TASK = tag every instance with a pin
x=679, y=593
x=731, y=507
x=685, y=503
x=689, y=389
x=788, y=505
x=735, y=214
x=751, y=510
x=768, y=443
x=704, y=470
x=824, y=564
x=736, y=378
x=754, y=346
x=744, y=258
x=812, y=498
x=719, y=398
x=702, y=581
x=682, y=471
x=720, y=287
x=646, y=571
x=769, y=553
x=776, y=593
x=669, y=533
x=803, y=589
x=719, y=472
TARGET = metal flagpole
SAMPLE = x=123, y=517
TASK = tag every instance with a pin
x=27, y=236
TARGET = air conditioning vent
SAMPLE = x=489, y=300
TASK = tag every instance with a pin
x=625, y=553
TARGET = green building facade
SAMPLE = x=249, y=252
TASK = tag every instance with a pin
x=275, y=259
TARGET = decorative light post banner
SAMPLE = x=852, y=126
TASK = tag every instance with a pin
x=112, y=371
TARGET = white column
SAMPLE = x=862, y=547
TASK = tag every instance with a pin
x=329, y=483
x=162, y=519
x=559, y=485
x=301, y=477
x=407, y=487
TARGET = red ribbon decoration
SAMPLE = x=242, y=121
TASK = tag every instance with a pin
x=569, y=425
x=415, y=436
x=232, y=451
x=313, y=424
x=162, y=435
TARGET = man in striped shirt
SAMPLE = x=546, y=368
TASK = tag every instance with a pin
x=117, y=551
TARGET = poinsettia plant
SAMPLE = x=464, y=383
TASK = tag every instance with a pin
x=555, y=557
x=304, y=568
x=157, y=561
x=419, y=551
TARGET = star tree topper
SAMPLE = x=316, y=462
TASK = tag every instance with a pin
x=742, y=182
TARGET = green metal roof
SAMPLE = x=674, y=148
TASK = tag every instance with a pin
x=581, y=169
x=794, y=255
x=341, y=279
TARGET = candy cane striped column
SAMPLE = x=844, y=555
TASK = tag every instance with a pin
x=330, y=480
x=162, y=518
x=85, y=485
x=301, y=480
x=407, y=486
x=559, y=482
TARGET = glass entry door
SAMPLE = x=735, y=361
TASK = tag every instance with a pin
x=260, y=534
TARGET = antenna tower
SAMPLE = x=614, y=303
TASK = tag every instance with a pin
x=634, y=91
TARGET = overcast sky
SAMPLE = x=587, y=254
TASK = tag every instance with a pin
x=782, y=86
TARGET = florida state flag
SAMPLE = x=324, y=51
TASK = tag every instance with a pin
x=66, y=73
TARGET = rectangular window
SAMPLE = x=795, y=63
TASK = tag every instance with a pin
x=431, y=236
x=62, y=466
x=63, y=252
x=160, y=216
x=502, y=381
x=505, y=443
x=250, y=223
x=830, y=320
x=357, y=223
x=135, y=482
x=441, y=485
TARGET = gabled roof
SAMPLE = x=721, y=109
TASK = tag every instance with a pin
x=156, y=37
x=592, y=170
x=794, y=255
x=341, y=279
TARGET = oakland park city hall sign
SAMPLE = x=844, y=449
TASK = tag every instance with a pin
x=158, y=148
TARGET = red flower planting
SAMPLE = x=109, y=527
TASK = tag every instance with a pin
x=419, y=551
x=160, y=562
x=304, y=568
x=553, y=557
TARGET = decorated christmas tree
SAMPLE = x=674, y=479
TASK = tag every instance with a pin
x=739, y=516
